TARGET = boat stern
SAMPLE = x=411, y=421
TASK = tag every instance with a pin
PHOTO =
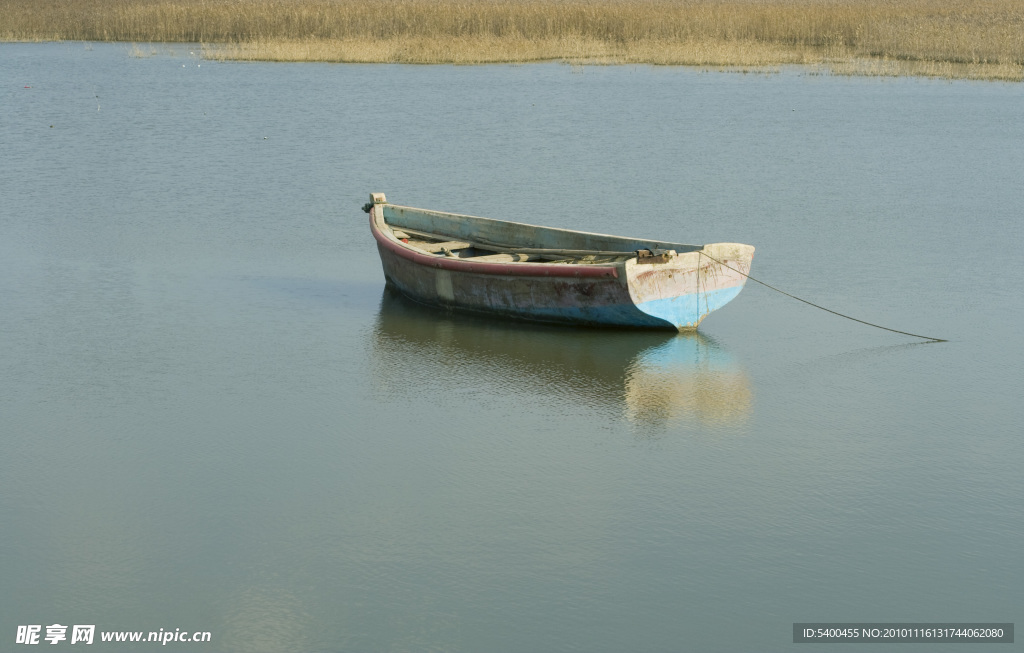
x=683, y=288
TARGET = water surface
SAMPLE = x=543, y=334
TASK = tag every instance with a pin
x=215, y=418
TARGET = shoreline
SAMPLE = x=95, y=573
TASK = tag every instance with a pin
x=739, y=57
x=957, y=39
x=307, y=52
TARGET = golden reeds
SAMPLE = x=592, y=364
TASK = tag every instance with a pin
x=952, y=38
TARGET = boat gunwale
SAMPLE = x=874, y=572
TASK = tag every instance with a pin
x=522, y=268
x=680, y=248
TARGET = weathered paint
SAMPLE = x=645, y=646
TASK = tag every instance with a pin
x=677, y=290
x=515, y=234
x=686, y=288
x=387, y=241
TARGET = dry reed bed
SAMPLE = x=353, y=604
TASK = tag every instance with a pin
x=953, y=38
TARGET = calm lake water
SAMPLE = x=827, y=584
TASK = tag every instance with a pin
x=215, y=418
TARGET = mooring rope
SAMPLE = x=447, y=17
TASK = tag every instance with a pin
x=827, y=310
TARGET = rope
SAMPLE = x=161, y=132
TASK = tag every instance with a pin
x=877, y=326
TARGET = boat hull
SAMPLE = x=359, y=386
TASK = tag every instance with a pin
x=591, y=301
x=674, y=292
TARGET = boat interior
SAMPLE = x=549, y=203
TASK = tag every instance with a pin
x=441, y=245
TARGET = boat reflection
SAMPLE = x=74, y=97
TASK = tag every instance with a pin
x=648, y=377
x=688, y=377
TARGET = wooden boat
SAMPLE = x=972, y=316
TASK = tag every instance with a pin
x=552, y=275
